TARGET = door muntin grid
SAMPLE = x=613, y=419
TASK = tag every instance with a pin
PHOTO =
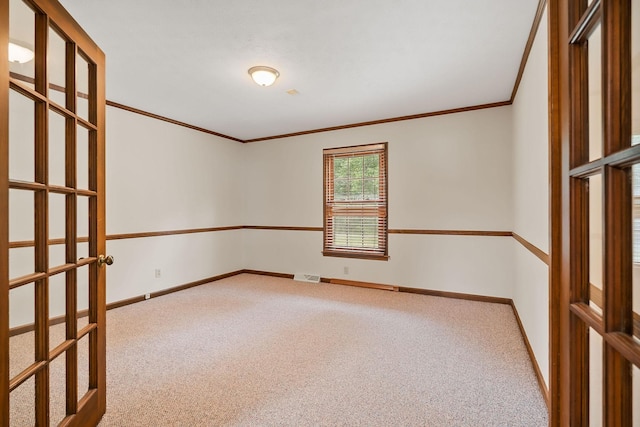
x=52, y=90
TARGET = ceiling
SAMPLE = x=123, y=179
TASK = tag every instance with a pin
x=350, y=60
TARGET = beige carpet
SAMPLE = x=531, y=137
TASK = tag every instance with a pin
x=260, y=351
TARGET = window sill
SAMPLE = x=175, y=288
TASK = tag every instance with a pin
x=358, y=255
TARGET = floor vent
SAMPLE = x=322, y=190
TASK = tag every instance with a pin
x=309, y=278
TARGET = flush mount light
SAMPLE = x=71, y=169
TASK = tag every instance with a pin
x=264, y=76
x=19, y=52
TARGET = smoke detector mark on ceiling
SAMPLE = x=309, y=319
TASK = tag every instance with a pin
x=293, y=92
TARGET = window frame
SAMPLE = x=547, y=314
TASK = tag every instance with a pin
x=329, y=203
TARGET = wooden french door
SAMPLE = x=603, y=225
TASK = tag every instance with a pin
x=52, y=231
x=595, y=174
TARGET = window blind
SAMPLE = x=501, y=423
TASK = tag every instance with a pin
x=355, y=201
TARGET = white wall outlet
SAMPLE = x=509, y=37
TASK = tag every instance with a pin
x=158, y=273
x=346, y=270
x=147, y=296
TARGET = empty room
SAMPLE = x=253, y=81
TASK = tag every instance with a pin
x=413, y=213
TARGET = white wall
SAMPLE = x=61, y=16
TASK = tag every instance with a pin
x=166, y=177
x=445, y=172
x=159, y=177
x=531, y=198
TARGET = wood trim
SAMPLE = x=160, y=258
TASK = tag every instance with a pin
x=363, y=284
x=27, y=91
x=429, y=292
x=41, y=221
x=589, y=316
x=26, y=374
x=23, y=280
x=4, y=213
x=370, y=285
x=53, y=86
x=328, y=129
x=543, y=256
x=534, y=361
x=392, y=231
x=282, y=275
x=618, y=263
x=193, y=284
x=452, y=232
x=626, y=347
x=597, y=297
x=587, y=23
x=168, y=120
x=623, y=158
x=269, y=273
x=280, y=228
x=122, y=303
x=382, y=121
x=290, y=228
x=29, y=186
x=125, y=302
x=170, y=232
x=527, y=49
x=18, y=330
x=30, y=243
x=114, y=104
x=559, y=298
x=356, y=255
x=455, y=295
x=61, y=348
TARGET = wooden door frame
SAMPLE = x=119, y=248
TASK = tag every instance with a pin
x=568, y=284
x=95, y=398
x=558, y=212
x=4, y=212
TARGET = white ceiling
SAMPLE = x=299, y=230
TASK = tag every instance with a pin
x=350, y=60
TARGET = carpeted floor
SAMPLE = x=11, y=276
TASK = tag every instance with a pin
x=261, y=351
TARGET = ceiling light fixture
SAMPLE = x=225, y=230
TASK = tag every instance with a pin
x=264, y=76
x=19, y=53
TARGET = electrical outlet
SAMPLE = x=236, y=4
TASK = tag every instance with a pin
x=346, y=270
x=158, y=273
x=147, y=296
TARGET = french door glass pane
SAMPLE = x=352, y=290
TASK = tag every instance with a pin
x=83, y=366
x=57, y=295
x=21, y=313
x=56, y=65
x=82, y=296
x=82, y=158
x=57, y=223
x=22, y=39
x=56, y=149
x=595, y=378
x=21, y=262
x=82, y=82
x=595, y=94
x=57, y=390
x=21, y=137
x=21, y=215
x=57, y=255
x=22, y=404
x=21, y=229
x=83, y=225
x=595, y=241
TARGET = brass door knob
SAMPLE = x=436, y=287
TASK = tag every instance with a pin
x=102, y=260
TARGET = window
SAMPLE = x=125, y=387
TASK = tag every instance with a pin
x=355, y=201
